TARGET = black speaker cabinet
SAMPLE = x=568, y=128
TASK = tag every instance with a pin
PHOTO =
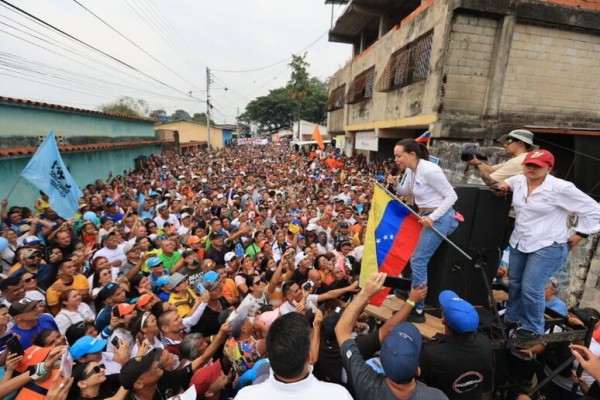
x=481, y=236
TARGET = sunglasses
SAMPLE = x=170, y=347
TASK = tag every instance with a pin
x=30, y=279
x=95, y=370
x=261, y=280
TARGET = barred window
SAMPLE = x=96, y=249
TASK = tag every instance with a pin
x=408, y=65
x=362, y=86
x=337, y=98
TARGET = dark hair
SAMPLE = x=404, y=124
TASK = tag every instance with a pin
x=411, y=146
x=318, y=259
x=40, y=338
x=288, y=345
x=287, y=286
x=135, y=281
x=250, y=279
x=10, y=281
x=76, y=332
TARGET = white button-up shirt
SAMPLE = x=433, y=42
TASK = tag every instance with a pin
x=541, y=217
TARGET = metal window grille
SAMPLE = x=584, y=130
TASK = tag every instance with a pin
x=337, y=98
x=408, y=65
x=362, y=86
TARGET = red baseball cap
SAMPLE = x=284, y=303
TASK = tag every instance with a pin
x=542, y=158
x=122, y=309
x=205, y=377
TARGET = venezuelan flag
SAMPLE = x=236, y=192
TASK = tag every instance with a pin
x=424, y=138
x=391, y=237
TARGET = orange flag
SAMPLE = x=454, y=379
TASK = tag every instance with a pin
x=116, y=195
x=316, y=135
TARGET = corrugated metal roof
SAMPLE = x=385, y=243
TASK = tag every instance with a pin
x=38, y=104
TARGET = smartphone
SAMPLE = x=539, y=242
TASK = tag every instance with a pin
x=139, y=337
x=308, y=285
x=14, y=346
x=66, y=365
x=4, y=339
x=115, y=342
x=395, y=282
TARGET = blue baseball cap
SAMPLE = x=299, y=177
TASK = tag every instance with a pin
x=87, y=345
x=162, y=281
x=211, y=276
x=459, y=314
x=153, y=262
x=400, y=352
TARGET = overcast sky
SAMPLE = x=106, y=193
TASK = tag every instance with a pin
x=185, y=36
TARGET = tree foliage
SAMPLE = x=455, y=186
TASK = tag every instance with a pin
x=158, y=114
x=280, y=107
x=201, y=118
x=127, y=106
x=180, y=115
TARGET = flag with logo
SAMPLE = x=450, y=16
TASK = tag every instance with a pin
x=47, y=171
x=316, y=135
x=391, y=237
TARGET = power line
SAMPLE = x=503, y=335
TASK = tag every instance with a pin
x=55, y=42
x=92, y=47
x=130, y=41
x=273, y=64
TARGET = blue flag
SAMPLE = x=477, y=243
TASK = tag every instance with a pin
x=47, y=172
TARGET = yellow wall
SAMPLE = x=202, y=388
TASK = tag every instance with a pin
x=194, y=132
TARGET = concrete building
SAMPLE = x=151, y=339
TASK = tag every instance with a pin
x=464, y=68
x=91, y=143
x=191, y=134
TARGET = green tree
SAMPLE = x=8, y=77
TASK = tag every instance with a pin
x=158, y=114
x=278, y=109
x=201, y=118
x=127, y=106
x=298, y=84
x=270, y=112
x=179, y=115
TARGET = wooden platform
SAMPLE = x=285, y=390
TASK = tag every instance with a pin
x=428, y=329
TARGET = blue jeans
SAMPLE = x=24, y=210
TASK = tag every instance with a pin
x=428, y=243
x=528, y=274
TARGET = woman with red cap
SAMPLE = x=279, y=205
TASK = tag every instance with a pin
x=541, y=239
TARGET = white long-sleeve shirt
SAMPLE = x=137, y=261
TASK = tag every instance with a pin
x=541, y=217
x=430, y=187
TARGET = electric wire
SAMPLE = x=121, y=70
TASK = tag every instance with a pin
x=134, y=44
x=93, y=48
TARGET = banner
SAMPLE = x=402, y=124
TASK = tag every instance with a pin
x=252, y=141
x=391, y=238
x=48, y=173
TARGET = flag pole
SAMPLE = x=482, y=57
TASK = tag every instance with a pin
x=468, y=257
x=13, y=187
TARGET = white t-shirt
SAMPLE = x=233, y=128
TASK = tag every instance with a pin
x=112, y=254
x=308, y=388
x=65, y=318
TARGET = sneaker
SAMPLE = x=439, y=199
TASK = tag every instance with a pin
x=416, y=317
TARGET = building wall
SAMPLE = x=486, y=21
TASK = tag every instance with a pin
x=495, y=65
x=552, y=72
x=194, y=132
x=32, y=122
x=84, y=166
x=468, y=63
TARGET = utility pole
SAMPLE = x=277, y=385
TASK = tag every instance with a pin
x=208, y=81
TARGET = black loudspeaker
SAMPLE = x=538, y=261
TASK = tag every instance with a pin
x=480, y=236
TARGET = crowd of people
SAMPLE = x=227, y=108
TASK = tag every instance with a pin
x=235, y=272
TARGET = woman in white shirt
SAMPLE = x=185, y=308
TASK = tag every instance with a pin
x=434, y=196
x=541, y=240
x=73, y=310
